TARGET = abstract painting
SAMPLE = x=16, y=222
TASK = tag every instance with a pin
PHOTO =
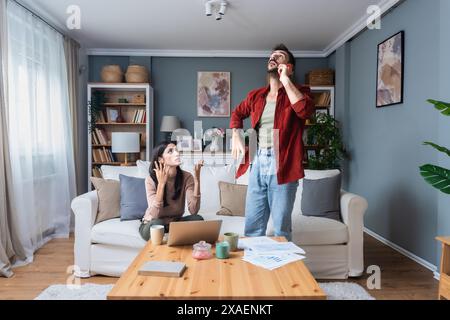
x=213, y=94
x=390, y=71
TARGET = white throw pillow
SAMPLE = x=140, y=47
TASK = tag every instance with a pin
x=113, y=172
x=143, y=167
x=209, y=185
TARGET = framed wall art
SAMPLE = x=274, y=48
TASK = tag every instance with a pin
x=213, y=94
x=390, y=71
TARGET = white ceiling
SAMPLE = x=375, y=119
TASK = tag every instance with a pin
x=249, y=27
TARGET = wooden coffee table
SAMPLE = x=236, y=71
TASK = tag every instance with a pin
x=214, y=278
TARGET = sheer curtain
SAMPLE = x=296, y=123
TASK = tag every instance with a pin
x=40, y=134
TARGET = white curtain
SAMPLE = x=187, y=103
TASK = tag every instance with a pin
x=39, y=129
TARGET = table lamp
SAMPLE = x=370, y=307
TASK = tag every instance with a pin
x=169, y=124
x=125, y=142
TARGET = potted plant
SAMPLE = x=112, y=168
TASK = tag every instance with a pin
x=437, y=176
x=325, y=137
x=95, y=106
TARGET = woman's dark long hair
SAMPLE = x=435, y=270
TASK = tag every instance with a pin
x=156, y=154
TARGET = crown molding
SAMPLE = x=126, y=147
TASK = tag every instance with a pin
x=385, y=5
x=360, y=25
x=196, y=53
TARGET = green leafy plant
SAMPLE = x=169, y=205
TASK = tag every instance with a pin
x=325, y=135
x=95, y=107
x=437, y=176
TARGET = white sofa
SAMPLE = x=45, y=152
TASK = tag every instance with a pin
x=334, y=250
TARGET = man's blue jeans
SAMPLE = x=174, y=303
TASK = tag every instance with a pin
x=265, y=196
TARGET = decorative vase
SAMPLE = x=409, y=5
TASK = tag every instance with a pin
x=215, y=146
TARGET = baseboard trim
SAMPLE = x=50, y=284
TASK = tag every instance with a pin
x=437, y=275
x=405, y=252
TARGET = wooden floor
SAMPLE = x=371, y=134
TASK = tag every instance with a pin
x=401, y=278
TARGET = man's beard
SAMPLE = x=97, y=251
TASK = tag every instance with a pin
x=273, y=70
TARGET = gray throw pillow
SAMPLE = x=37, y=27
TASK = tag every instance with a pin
x=133, y=198
x=321, y=198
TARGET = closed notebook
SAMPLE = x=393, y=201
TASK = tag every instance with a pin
x=162, y=269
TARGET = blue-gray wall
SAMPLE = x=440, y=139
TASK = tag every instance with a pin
x=444, y=122
x=175, y=82
x=385, y=144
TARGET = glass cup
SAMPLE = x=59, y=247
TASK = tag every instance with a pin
x=222, y=250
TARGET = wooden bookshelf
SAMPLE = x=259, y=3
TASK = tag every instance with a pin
x=137, y=116
x=120, y=124
x=324, y=101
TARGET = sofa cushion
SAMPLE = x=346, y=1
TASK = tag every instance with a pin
x=321, y=197
x=118, y=233
x=143, y=168
x=316, y=231
x=229, y=223
x=133, y=198
x=232, y=199
x=113, y=172
x=209, y=185
x=108, y=193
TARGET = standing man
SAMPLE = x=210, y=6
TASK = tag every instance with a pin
x=278, y=113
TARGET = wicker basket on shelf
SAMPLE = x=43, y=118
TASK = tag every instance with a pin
x=136, y=74
x=112, y=74
x=320, y=77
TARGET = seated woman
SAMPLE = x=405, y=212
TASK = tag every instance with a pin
x=168, y=187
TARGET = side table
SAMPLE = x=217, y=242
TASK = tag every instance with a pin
x=444, y=282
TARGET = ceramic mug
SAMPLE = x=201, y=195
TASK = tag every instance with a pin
x=232, y=238
x=156, y=234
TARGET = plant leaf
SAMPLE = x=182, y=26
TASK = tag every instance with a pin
x=438, y=147
x=438, y=177
x=441, y=106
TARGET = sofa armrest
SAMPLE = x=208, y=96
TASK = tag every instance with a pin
x=353, y=208
x=85, y=209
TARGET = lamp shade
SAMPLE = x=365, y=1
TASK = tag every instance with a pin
x=125, y=142
x=169, y=124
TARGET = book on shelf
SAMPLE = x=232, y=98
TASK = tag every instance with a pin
x=324, y=99
x=101, y=136
x=94, y=138
x=96, y=172
x=139, y=116
x=162, y=269
x=101, y=116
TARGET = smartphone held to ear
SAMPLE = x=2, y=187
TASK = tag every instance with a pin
x=289, y=69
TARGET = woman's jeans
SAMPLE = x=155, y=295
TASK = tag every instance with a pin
x=265, y=196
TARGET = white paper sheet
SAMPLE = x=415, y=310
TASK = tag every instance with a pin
x=245, y=243
x=277, y=247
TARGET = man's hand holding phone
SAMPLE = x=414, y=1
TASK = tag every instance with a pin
x=284, y=70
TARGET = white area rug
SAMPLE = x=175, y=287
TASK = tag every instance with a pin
x=345, y=291
x=333, y=290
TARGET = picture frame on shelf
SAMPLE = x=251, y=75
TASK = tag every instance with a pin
x=310, y=153
x=113, y=115
x=184, y=143
x=320, y=111
x=197, y=145
x=390, y=71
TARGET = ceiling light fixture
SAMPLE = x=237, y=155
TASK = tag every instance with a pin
x=219, y=5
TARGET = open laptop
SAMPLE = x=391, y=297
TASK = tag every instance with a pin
x=190, y=232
